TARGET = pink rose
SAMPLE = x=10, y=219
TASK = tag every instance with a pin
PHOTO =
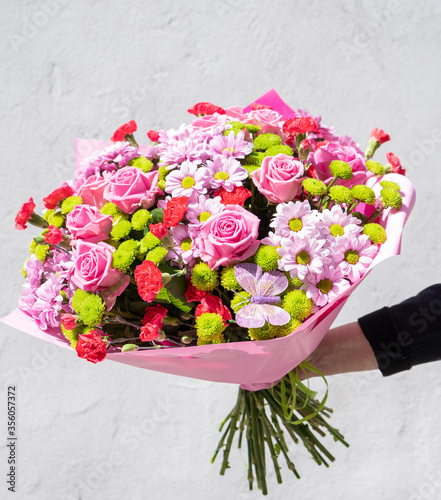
x=344, y=150
x=268, y=119
x=87, y=223
x=228, y=237
x=279, y=178
x=129, y=188
x=91, y=192
x=205, y=123
x=92, y=271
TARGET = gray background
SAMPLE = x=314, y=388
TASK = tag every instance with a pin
x=80, y=69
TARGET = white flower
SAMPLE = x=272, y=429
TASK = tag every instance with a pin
x=295, y=218
x=325, y=286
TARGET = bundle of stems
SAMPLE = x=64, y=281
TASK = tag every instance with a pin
x=263, y=416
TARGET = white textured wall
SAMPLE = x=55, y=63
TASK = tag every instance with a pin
x=111, y=431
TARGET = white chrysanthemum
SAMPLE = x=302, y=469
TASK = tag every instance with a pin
x=295, y=218
x=202, y=209
x=354, y=254
x=325, y=286
x=186, y=180
x=337, y=223
x=226, y=173
x=184, y=245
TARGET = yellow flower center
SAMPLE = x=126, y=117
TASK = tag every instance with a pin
x=337, y=230
x=204, y=216
x=186, y=244
x=351, y=256
x=324, y=285
x=295, y=225
x=231, y=150
x=221, y=175
x=303, y=258
x=187, y=182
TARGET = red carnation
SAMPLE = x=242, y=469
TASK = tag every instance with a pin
x=126, y=129
x=149, y=332
x=300, y=125
x=68, y=321
x=154, y=315
x=53, y=235
x=205, y=108
x=159, y=230
x=257, y=105
x=320, y=144
x=59, y=194
x=153, y=135
x=395, y=164
x=24, y=214
x=149, y=280
x=193, y=294
x=235, y=197
x=91, y=346
x=213, y=304
x=379, y=135
x=175, y=210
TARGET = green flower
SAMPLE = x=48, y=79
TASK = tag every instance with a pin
x=265, y=141
x=267, y=258
x=265, y=332
x=148, y=242
x=391, y=198
x=204, y=278
x=92, y=310
x=78, y=298
x=140, y=219
x=254, y=159
x=142, y=163
x=375, y=233
x=114, y=211
x=341, y=169
x=209, y=326
x=390, y=184
x=375, y=167
x=53, y=218
x=121, y=230
x=364, y=193
x=315, y=187
x=124, y=255
x=297, y=304
x=69, y=204
x=252, y=129
x=279, y=149
x=163, y=173
x=284, y=330
x=156, y=255
x=240, y=300
x=41, y=252
x=341, y=194
x=219, y=339
x=228, y=279
x=235, y=127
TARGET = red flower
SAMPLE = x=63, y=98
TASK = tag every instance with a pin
x=68, y=321
x=256, y=105
x=213, y=304
x=395, y=164
x=149, y=332
x=154, y=315
x=320, y=144
x=235, y=197
x=305, y=145
x=59, y=194
x=53, y=235
x=149, y=280
x=153, y=135
x=24, y=214
x=91, y=346
x=300, y=125
x=175, y=210
x=126, y=129
x=159, y=230
x=193, y=294
x=205, y=108
x=379, y=135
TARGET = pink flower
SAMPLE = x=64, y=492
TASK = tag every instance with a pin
x=92, y=270
x=87, y=223
x=129, y=188
x=209, y=122
x=266, y=118
x=228, y=237
x=226, y=173
x=325, y=286
x=53, y=235
x=68, y=321
x=92, y=191
x=279, y=178
x=91, y=346
x=395, y=164
x=354, y=254
x=230, y=145
x=379, y=135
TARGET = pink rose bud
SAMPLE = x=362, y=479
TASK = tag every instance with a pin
x=68, y=321
x=304, y=149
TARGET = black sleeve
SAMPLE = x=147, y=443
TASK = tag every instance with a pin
x=406, y=334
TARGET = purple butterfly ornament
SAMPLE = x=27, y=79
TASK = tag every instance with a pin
x=265, y=289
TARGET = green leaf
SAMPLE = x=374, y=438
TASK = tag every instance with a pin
x=157, y=215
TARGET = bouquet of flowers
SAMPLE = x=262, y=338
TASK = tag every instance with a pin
x=223, y=251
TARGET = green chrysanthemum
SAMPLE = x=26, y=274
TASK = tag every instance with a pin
x=293, y=282
x=297, y=304
x=72, y=335
x=265, y=141
x=364, y=194
x=375, y=167
x=391, y=198
x=341, y=169
x=161, y=184
x=124, y=255
x=228, y=279
x=156, y=255
x=78, y=298
x=375, y=233
x=163, y=172
x=315, y=187
x=240, y=300
x=209, y=326
x=41, y=252
x=121, y=230
x=23, y=272
x=284, y=330
x=148, y=242
x=235, y=127
x=92, y=310
x=267, y=258
x=140, y=219
x=142, y=163
x=390, y=184
x=252, y=129
x=220, y=339
x=341, y=194
x=114, y=211
x=53, y=218
x=69, y=204
x=33, y=246
x=204, y=278
x=254, y=159
x=265, y=332
x=280, y=149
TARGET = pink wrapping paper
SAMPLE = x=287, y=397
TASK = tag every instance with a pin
x=255, y=364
